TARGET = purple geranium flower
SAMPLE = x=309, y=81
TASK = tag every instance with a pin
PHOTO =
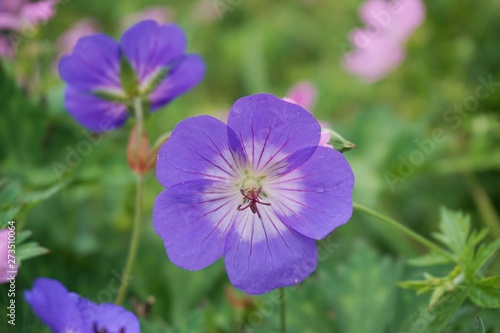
x=64, y=311
x=258, y=191
x=148, y=64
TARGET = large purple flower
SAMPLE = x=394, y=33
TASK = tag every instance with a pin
x=64, y=311
x=104, y=77
x=258, y=191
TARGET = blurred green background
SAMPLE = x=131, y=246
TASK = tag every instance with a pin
x=262, y=46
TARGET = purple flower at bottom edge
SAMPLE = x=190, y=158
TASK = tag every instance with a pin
x=258, y=191
x=150, y=48
x=64, y=311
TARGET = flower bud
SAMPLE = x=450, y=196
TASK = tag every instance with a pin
x=138, y=151
x=338, y=142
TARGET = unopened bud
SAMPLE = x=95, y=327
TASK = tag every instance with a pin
x=338, y=142
x=138, y=152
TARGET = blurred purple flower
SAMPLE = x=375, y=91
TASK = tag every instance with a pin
x=64, y=311
x=96, y=96
x=258, y=191
x=67, y=41
x=5, y=265
x=21, y=16
x=379, y=46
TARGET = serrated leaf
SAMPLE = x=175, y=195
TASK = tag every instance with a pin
x=362, y=291
x=476, y=259
x=433, y=320
x=490, y=281
x=454, y=230
x=429, y=259
x=29, y=250
x=486, y=297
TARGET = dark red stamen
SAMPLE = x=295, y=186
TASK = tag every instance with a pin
x=253, y=197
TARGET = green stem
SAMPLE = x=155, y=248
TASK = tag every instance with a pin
x=422, y=240
x=136, y=226
x=282, y=310
x=485, y=206
x=134, y=241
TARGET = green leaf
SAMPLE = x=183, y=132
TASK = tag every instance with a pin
x=128, y=78
x=110, y=96
x=490, y=281
x=429, y=259
x=486, y=297
x=195, y=323
x=29, y=250
x=154, y=81
x=454, y=230
x=36, y=197
x=22, y=236
x=421, y=286
x=9, y=214
x=434, y=319
x=484, y=253
x=364, y=291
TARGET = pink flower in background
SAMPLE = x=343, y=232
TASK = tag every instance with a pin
x=302, y=93
x=158, y=14
x=5, y=268
x=397, y=19
x=379, y=46
x=374, y=60
x=21, y=16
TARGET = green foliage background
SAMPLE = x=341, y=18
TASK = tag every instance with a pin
x=263, y=46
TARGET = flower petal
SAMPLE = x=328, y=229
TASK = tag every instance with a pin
x=264, y=254
x=316, y=197
x=93, y=65
x=193, y=219
x=270, y=129
x=199, y=148
x=150, y=47
x=377, y=58
x=186, y=74
x=107, y=317
x=55, y=306
x=94, y=113
x=396, y=19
